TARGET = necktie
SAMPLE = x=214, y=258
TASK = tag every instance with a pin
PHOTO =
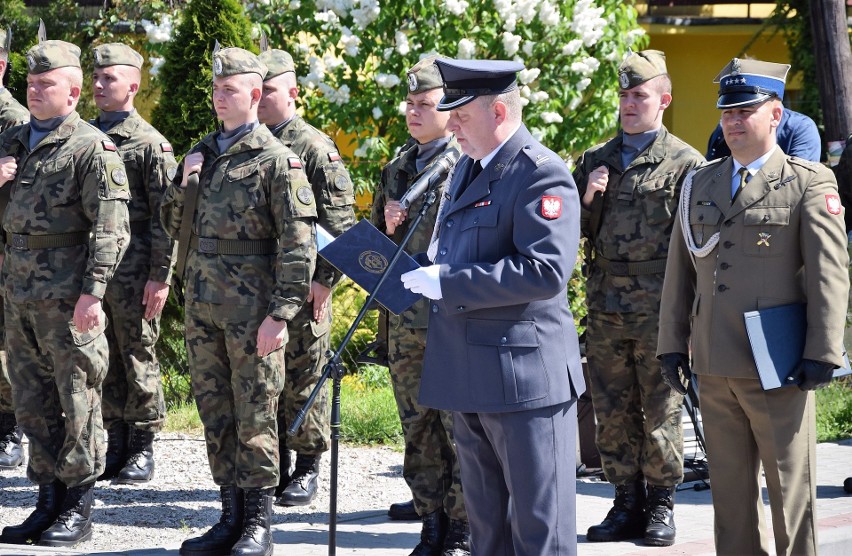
x=744, y=176
x=477, y=168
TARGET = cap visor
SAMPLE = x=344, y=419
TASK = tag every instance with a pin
x=738, y=100
x=450, y=103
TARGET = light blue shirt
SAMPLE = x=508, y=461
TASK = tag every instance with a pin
x=752, y=168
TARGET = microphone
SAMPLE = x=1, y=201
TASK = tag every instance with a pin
x=436, y=173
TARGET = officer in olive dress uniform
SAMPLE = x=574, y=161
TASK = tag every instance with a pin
x=310, y=330
x=629, y=188
x=755, y=230
x=501, y=350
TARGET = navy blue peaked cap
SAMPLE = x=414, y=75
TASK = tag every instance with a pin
x=748, y=82
x=464, y=80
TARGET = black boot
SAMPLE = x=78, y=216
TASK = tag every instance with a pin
x=74, y=524
x=660, y=530
x=47, y=509
x=219, y=539
x=140, y=459
x=116, y=454
x=403, y=511
x=457, y=540
x=432, y=535
x=11, y=454
x=256, y=539
x=303, y=484
x=626, y=518
x=284, y=479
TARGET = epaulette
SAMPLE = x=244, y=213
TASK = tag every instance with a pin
x=804, y=163
x=538, y=157
x=710, y=163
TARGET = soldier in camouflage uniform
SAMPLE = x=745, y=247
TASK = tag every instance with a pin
x=310, y=330
x=11, y=114
x=133, y=404
x=430, y=466
x=630, y=188
x=66, y=229
x=251, y=254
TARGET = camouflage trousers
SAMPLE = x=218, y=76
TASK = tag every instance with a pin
x=56, y=387
x=430, y=465
x=133, y=388
x=639, y=428
x=309, y=340
x=6, y=405
x=236, y=392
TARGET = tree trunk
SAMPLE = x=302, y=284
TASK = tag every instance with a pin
x=833, y=57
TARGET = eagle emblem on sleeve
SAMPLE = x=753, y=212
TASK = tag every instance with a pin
x=551, y=207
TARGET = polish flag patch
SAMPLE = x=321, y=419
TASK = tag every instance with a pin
x=108, y=146
x=832, y=203
x=551, y=207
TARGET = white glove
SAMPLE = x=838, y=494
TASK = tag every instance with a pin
x=425, y=281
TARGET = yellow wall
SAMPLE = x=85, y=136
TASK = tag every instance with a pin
x=694, y=56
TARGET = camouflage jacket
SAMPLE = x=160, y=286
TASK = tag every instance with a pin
x=11, y=111
x=150, y=166
x=397, y=177
x=72, y=181
x=636, y=221
x=332, y=186
x=256, y=190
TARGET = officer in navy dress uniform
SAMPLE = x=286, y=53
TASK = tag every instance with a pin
x=501, y=351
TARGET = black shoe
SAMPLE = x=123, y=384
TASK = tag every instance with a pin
x=457, y=540
x=74, y=524
x=48, y=506
x=626, y=518
x=403, y=511
x=140, y=459
x=256, y=539
x=847, y=485
x=11, y=453
x=303, y=484
x=284, y=478
x=660, y=530
x=116, y=454
x=219, y=539
x=432, y=534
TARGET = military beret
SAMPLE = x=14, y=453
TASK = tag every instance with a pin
x=464, y=80
x=277, y=62
x=640, y=67
x=116, y=54
x=50, y=55
x=747, y=82
x=424, y=76
x=6, y=39
x=235, y=61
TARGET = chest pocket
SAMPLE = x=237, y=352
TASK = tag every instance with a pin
x=480, y=217
x=57, y=178
x=761, y=227
x=245, y=189
x=657, y=196
x=704, y=221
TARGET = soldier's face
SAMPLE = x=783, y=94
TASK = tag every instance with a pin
x=424, y=121
x=51, y=94
x=235, y=99
x=641, y=108
x=114, y=87
x=475, y=125
x=278, y=101
x=750, y=130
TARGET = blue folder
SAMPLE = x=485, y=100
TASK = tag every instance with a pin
x=777, y=338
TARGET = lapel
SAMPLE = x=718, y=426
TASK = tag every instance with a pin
x=760, y=184
x=719, y=189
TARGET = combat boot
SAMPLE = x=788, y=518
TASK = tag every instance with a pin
x=74, y=524
x=626, y=518
x=46, y=511
x=11, y=453
x=219, y=539
x=403, y=511
x=256, y=539
x=140, y=459
x=303, y=484
x=432, y=534
x=284, y=478
x=660, y=530
x=457, y=540
x=116, y=454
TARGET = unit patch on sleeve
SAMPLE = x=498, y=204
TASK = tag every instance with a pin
x=551, y=207
x=832, y=203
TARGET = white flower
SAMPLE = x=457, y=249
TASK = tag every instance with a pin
x=583, y=84
x=156, y=64
x=524, y=101
x=466, y=49
x=377, y=113
x=528, y=75
x=548, y=14
x=528, y=47
x=572, y=47
x=366, y=14
x=402, y=108
x=402, y=45
x=634, y=35
x=551, y=118
x=158, y=33
x=366, y=146
x=580, y=67
x=511, y=43
x=387, y=52
x=592, y=63
x=333, y=62
x=386, y=80
x=539, y=96
x=537, y=133
x=455, y=7
x=294, y=4
x=329, y=19
x=349, y=42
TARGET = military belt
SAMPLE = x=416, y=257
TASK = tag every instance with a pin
x=48, y=241
x=631, y=268
x=140, y=227
x=215, y=246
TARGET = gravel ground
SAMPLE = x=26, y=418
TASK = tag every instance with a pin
x=182, y=501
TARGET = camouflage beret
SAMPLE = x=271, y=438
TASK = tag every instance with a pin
x=116, y=54
x=277, y=62
x=424, y=76
x=236, y=61
x=640, y=67
x=50, y=55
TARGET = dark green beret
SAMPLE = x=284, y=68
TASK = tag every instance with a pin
x=424, y=76
x=116, y=54
x=640, y=67
x=277, y=62
x=236, y=61
x=50, y=55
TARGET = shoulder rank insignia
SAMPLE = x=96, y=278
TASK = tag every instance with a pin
x=551, y=207
x=294, y=162
x=108, y=145
x=166, y=147
x=334, y=157
x=832, y=203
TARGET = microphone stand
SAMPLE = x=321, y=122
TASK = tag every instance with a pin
x=335, y=369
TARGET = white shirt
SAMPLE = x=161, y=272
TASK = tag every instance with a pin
x=752, y=168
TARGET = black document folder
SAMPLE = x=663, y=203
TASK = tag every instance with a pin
x=363, y=252
x=777, y=338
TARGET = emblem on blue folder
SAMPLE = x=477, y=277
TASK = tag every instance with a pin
x=372, y=261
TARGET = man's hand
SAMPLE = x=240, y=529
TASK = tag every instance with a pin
x=270, y=336
x=813, y=374
x=191, y=165
x=394, y=216
x=320, y=297
x=88, y=313
x=8, y=170
x=674, y=368
x=154, y=298
x=425, y=281
x=598, y=180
